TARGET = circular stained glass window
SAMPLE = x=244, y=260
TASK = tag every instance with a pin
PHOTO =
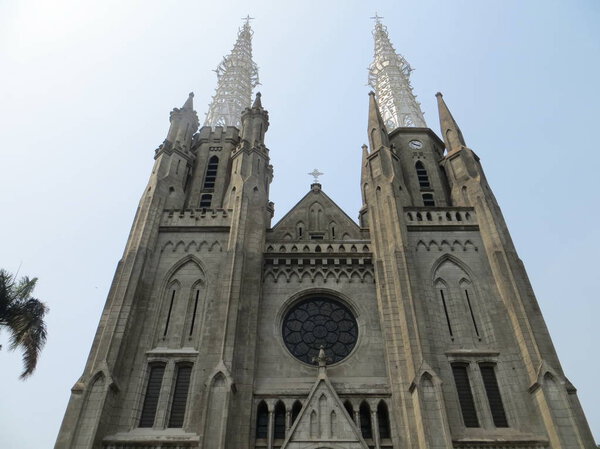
x=316, y=322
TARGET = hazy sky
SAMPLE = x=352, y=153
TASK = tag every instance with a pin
x=85, y=94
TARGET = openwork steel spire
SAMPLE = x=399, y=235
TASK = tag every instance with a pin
x=389, y=76
x=237, y=75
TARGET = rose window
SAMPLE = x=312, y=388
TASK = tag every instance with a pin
x=316, y=322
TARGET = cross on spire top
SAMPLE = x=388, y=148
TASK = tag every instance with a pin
x=316, y=173
x=377, y=18
x=247, y=19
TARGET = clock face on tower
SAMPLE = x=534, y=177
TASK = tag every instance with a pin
x=415, y=144
x=319, y=321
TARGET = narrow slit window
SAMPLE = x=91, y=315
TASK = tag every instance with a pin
x=465, y=395
x=169, y=313
x=180, y=395
x=428, y=200
x=211, y=173
x=471, y=312
x=422, y=175
x=262, y=420
x=195, y=311
x=493, y=395
x=446, y=312
x=205, y=200
x=152, y=393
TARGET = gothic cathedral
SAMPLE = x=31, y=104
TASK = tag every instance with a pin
x=416, y=328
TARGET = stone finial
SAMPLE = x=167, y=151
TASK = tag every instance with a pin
x=189, y=103
x=257, y=103
x=322, y=360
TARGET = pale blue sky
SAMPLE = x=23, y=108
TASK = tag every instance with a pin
x=85, y=94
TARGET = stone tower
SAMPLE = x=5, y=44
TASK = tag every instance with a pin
x=416, y=328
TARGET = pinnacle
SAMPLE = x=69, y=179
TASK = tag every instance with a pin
x=189, y=103
x=257, y=101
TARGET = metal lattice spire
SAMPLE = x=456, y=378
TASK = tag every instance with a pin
x=389, y=76
x=237, y=75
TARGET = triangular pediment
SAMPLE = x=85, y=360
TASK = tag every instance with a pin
x=315, y=216
x=324, y=422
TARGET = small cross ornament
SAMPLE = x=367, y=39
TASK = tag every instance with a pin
x=377, y=18
x=247, y=19
x=316, y=173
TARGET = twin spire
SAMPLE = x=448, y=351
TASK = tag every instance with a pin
x=237, y=75
x=392, y=104
x=389, y=76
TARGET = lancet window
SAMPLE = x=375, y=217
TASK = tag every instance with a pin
x=279, y=421
x=180, y=394
x=262, y=420
x=422, y=175
x=365, y=420
x=456, y=305
x=155, y=378
x=383, y=420
x=296, y=410
x=211, y=173
x=465, y=395
x=492, y=391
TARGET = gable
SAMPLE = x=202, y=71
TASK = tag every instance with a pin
x=324, y=422
x=315, y=217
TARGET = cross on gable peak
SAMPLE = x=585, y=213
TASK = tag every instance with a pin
x=316, y=173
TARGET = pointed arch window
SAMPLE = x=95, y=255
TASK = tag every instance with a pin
x=211, y=173
x=157, y=370
x=262, y=420
x=422, y=175
x=365, y=420
x=296, y=410
x=349, y=409
x=279, y=421
x=180, y=395
x=383, y=420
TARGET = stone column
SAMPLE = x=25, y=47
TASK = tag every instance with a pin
x=375, y=427
x=160, y=421
x=288, y=419
x=271, y=423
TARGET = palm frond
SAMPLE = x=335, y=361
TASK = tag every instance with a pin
x=23, y=316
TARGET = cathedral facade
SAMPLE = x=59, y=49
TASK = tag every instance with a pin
x=416, y=327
